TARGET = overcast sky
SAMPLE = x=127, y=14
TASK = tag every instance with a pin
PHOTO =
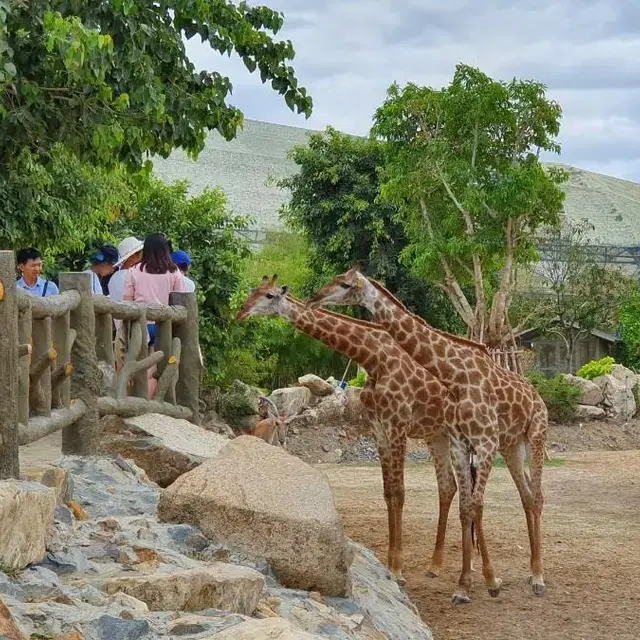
x=349, y=51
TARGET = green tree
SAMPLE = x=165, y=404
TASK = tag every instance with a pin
x=58, y=206
x=335, y=203
x=112, y=80
x=462, y=168
x=575, y=292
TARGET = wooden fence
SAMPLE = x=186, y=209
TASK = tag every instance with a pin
x=58, y=363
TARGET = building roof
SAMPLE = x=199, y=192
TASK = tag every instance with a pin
x=246, y=167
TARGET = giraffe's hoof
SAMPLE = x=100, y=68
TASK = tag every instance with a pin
x=494, y=590
x=431, y=573
x=400, y=581
x=539, y=588
x=460, y=598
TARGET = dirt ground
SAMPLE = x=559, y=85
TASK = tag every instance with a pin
x=591, y=537
x=591, y=545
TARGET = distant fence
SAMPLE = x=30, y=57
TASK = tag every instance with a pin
x=58, y=363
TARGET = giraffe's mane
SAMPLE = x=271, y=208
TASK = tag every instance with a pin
x=449, y=336
x=341, y=316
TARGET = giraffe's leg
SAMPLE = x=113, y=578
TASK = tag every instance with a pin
x=515, y=461
x=537, y=464
x=392, y=460
x=447, y=487
x=460, y=459
x=486, y=452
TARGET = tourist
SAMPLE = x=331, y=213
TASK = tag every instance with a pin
x=103, y=265
x=154, y=278
x=130, y=252
x=183, y=261
x=30, y=267
x=152, y=281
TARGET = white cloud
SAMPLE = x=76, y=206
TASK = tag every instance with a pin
x=350, y=51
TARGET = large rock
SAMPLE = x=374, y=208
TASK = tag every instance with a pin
x=624, y=375
x=276, y=628
x=239, y=406
x=589, y=412
x=333, y=408
x=591, y=394
x=291, y=400
x=262, y=500
x=164, y=447
x=26, y=513
x=618, y=395
x=315, y=384
x=56, y=478
x=9, y=630
x=219, y=586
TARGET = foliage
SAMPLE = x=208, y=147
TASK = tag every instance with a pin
x=596, y=368
x=270, y=352
x=57, y=205
x=335, y=204
x=462, y=168
x=360, y=380
x=579, y=293
x=560, y=396
x=112, y=80
x=630, y=329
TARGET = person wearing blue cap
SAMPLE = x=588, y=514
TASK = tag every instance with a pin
x=182, y=260
x=102, y=267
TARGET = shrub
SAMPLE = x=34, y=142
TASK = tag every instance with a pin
x=596, y=368
x=359, y=380
x=560, y=396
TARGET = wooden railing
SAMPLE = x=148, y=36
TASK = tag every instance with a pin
x=58, y=363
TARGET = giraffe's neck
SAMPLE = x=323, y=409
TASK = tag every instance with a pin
x=366, y=346
x=423, y=343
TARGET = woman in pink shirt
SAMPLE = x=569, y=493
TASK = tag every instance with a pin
x=154, y=278
x=151, y=281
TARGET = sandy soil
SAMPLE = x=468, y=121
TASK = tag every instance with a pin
x=591, y=533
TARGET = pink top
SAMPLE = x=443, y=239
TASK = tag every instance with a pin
x=152, y=288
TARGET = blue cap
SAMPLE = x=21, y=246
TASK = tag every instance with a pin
x=107, y=254
x=181, y=258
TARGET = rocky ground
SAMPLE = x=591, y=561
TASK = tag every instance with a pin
x=113, y=571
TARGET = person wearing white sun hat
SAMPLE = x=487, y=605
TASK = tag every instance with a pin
x=130, y=250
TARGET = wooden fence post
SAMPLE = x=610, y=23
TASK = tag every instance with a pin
x=188, y=386
x=83, y=437
x=9, y=452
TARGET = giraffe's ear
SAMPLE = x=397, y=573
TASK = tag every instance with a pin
x=284, y=290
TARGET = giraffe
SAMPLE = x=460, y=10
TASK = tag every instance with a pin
x=497, y=410
x=400, y=397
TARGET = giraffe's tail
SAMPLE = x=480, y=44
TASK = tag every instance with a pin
x=474, y=476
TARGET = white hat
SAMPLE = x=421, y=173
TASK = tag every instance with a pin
x=128, y=247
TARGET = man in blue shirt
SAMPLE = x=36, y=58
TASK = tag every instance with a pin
x=30, y=266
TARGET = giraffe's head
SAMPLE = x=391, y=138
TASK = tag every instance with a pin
x=265, y=300
x=346, y=289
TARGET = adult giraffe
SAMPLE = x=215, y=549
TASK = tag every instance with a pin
x=497, y=410
x=401, y=399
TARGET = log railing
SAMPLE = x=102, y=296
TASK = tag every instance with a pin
x=59, y=366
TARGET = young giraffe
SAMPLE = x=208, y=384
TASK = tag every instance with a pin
x=497, y=410
x=400, y=397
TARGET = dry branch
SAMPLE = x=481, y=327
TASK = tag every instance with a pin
x=132, y=406
x=42, y=426
x=49, y=307
x=134, y=310
x=169, y=377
